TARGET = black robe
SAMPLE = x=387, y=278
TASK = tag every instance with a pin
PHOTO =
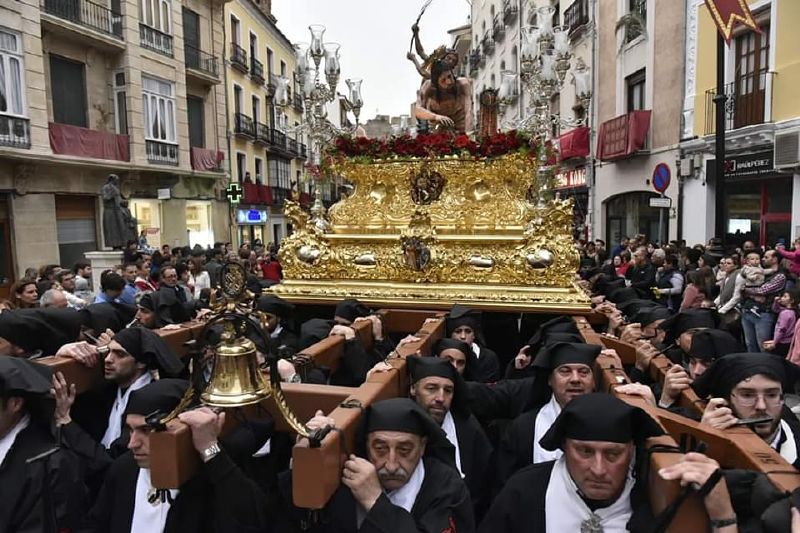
x=28, y=503
x=442, y=506
x=520, y=506
x=354, y=364
x=488, y=364
x=515, y=450
x=508, y=398
x=475, y=452
x=218, y=499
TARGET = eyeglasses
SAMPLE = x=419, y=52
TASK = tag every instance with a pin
x=750, y=398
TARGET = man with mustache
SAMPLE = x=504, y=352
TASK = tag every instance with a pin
x=750, y=385
x=402, y=478
x=594, y=485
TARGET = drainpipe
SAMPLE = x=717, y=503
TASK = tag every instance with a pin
x=591, y=113
x=233, y=232
x=679, y=207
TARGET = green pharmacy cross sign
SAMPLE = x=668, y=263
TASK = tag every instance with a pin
x=234, y=193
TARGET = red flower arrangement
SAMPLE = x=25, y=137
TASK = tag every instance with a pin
x=431, y=145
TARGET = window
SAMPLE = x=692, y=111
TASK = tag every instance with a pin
x=120, y=104
x=238, y=99
x=236, y=30
x=195, y=111
x=12, y=85
x=69, y=98
x=283, y=69
x=157, y=14
x=259, y=170
x=253, y=46
x=638, y=20
x=269, y=61
x=279, y=173
x=635, y=84
x=241, y=165
x=159, y=109
x=256, y=109
x=557, y=15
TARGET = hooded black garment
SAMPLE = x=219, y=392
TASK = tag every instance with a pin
x=350, y=309
x=711, y=344
x=686, y=320
x=107, y=315
x=167, y=308
x=218, y=499
x=443, y=500
x=40, y=483
x=45, y=329
x=520, y=507
x=726, y=372
x=647, y=315
x=487, y=364
x=471, y=365
x=147, y=346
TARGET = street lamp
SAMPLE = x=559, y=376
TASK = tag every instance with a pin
x=316, y=95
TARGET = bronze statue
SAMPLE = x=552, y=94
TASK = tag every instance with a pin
x=115, y=228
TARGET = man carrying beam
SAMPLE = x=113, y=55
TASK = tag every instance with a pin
x=402, y=478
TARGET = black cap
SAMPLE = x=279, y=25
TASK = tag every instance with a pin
x=555, y=355
x=404, y=415
x=147, y=346
x=424, y=367
x=727, y=371
x=648, y=315
x=161, y=396
x=40, y=329
x=23, y=376
x=678, y=324
x=463, y=316
x=107, y=315
x=561, y=324
x=274, y=305
x=350, y=309
x=711, y=344
x=622, y=294
x=600, y=417
x=631, y=307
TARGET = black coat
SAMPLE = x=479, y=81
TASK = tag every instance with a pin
x=219, y=499
x=354, y=364
x=475, y=452
x=443, y=502
x=488, y=367
x=515, y=450
x=508, y=398
x=520, y=506
x=28, y=502
x=642, y=278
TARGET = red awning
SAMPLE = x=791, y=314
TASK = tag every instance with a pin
x=574, y=143
x=623, y=136
x=74, y=140
x=206, y=159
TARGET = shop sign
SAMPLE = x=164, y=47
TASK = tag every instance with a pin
x=661, y=201
x=574, y=177
x=164, y=194
x=251, y=216
x=750, y=165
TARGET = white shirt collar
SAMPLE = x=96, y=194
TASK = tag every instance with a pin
x=449, y=428
x=149, y=517
x=114, y=429
x=787, y=449
x=406, y=495
x=277, y=332
x=544, y=419
x=476, y=350
x=8, y=440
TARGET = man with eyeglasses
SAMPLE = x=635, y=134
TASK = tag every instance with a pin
x=752, y=385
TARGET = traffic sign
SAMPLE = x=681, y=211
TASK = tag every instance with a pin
x=661, y=177
x=660, y=201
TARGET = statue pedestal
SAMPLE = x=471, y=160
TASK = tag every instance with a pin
x=102, y=261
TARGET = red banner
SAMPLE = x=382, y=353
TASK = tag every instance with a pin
x=727, y=13
x=574, y=143
x=74, y=140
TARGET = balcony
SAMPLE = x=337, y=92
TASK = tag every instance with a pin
x=15, y=132
x=238, y=58
x=302, y=152
x=200, y=65
x=297, y=102
x=278, y=139
x=272, y=83
x=292, y=143
x=66, y=139
x=256, y=70
x=263, y=133
x=207, y=160
x=243, y=126
x=157, y=41
x=280, y=195
x=509, y=11
x=745, y=104
x=488, y=44
x=87, y=15
x=162, y=153
x=623, y=136
x=576, y=17
x=636, y=26
x=499, y=28
x=474, y=62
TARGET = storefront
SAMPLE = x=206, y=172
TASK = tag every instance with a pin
x=571, y=183
x=199, y=227
x=757, y=201
x=252, y=224
x=630, y=214
x=148, y=218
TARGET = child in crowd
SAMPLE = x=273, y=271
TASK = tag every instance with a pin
x=785, y=307
x=752, y=272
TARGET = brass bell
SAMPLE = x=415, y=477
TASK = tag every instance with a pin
x=236, y=379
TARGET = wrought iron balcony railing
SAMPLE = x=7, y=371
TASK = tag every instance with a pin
x=199, y=60
x=155, y=40
x=745, y=104
x=162, y=153
x=238, y=57
x=15, y=132
x=87, y=14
